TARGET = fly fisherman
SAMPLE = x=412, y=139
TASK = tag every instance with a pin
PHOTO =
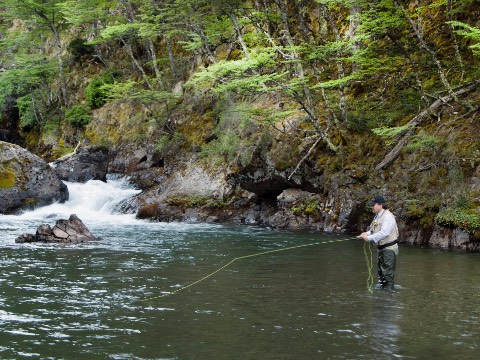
x=384, y=233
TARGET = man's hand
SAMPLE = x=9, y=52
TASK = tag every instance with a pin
x=363, y=236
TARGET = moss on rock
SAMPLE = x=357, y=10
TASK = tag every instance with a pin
x=7, y=178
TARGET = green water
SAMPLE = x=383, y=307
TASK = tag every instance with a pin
x=86, y=301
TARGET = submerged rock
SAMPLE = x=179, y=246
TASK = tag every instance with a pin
x=65, y=231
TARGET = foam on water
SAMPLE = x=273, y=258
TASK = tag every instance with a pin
x=94, y=201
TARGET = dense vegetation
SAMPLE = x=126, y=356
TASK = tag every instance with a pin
x=227, y=76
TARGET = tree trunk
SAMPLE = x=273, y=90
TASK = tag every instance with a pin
x=151, y=48
x=458, y=56
x=234, y=20
x=353, y=24
x=171, y=59
x=63, y=82
x=342, y=104
x=128, y=47
x=417, y=120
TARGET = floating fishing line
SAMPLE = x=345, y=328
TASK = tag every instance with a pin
x=369, y=264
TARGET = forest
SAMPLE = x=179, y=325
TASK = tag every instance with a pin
x=383, y=90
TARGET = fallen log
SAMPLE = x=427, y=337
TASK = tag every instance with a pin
x=417, y=120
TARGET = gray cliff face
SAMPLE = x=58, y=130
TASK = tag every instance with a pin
x=26, y=180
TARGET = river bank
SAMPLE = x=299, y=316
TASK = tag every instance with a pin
x=191, y=190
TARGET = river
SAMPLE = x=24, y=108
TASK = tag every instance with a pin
x=104, y=300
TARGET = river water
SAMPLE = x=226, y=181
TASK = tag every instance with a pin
x=104, y=300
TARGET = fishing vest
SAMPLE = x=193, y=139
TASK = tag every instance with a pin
x=377, y=225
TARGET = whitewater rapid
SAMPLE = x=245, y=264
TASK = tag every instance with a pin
x=95, y=202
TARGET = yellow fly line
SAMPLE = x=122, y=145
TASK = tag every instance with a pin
x=367, y=251
x=369, y=264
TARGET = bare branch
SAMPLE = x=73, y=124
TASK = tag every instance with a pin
x=417, y=120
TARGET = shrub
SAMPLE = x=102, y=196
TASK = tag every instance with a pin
x=96, y=93
x=26, y=109
x=79, y=48
x=465, y=219
x=307, y=207
x=78, y=115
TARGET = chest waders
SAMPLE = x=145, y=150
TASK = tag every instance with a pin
x=387, y=254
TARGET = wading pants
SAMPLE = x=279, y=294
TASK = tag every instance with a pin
x=386, y=268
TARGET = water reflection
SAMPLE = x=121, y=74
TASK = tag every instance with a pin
x=384, y=321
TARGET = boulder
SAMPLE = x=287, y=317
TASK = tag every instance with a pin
x=26, y=181
x=87, y=163
x=65, y=231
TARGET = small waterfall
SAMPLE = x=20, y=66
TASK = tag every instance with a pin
x=93, y=202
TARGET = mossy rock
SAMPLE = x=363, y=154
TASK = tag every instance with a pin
x=26, y=180
x=7, y=178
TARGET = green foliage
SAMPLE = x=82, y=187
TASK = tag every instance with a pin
x=170, y=142
x=217, y=32
x=30, y=74
x=382, y=110
x=29, y=116
x=307, y=207
x=422, y=142
x=389, y=134
x=79, y=49
x=118, y=30
x=52, y=125
x=423, y=210
x=457, y=188
x=162, y=143
x=469, y=32
x=235, y=138
x=96, y=93
x=240, y=76
x=226, y=146
x=465, y=219
x=78, y=115
x=84, y=12
x=51, y=130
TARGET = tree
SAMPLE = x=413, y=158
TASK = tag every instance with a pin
x=42, y=16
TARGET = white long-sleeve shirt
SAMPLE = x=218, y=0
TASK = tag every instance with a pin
x=388, y=224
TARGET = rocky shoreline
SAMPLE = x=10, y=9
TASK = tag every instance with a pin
x=190, y=191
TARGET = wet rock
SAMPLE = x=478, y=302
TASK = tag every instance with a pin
x=453, y=239
x=26, y=181
x=65, y=231
x=87, y=163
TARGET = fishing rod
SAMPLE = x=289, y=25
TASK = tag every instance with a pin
x=368, y=257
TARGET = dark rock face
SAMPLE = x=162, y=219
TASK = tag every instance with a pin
x=65, y=231
x=26, y=180
x=88, y=163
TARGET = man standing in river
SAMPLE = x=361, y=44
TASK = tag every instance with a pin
x=384, y=233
